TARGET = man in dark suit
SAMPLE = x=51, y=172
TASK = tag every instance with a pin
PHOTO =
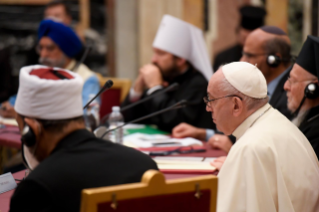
x=64, y=156
x=303, y=91
x=268, y=48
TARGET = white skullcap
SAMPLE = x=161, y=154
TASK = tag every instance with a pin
x=246, y=78
x=47, y=98
x=184, y=40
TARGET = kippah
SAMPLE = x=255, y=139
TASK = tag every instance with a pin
x=273, y=30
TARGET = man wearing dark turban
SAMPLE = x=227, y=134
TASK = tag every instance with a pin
x=57, y=47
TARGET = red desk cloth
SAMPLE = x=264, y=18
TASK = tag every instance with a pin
x=10, y=137
x=6, y=196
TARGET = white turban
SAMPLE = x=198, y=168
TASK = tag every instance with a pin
x=49, y=99
x=246, y=78
x=184, y=40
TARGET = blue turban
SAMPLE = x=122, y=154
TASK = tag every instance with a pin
x=62, y=35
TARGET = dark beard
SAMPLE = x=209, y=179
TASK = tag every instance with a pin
x=170, y=74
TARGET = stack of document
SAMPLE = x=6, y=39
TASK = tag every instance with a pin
x=190, y=165
x=140, y=140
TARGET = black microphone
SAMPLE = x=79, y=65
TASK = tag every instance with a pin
x=170, y=88
x=178, y=105
x=105, y=87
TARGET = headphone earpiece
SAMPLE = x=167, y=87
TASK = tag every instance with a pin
x=312, y=91
x=28, y=137
x=273, y=60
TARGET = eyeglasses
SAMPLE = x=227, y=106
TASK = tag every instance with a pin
x=207, y=100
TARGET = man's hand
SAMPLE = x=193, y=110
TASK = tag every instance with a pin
x=220, y=142
x=139, y=84
x=6, y=110
x=185, y=130
x=218, y=162
x=152, y=75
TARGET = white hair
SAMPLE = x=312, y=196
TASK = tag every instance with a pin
x=251, y=103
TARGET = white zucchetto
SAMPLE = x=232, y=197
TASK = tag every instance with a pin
x=49, y=93
x=184, y=40
x=246, y=78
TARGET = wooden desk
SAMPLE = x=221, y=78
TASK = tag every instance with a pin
x=10, y=139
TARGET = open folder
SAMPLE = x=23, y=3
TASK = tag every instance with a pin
x=187, y=165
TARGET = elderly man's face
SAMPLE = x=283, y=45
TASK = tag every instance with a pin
x=254, y=51
x=50, y=54
x=296, y=84
x=221, y=109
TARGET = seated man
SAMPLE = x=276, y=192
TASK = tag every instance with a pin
x=302, y=101
x=49, y=109
x=58, y=45
x=180, y=56
x=272, y=166
x=269, y=48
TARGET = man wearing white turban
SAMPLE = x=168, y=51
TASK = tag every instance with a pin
x=64, y=156
x=179, y=56
x=272, y=166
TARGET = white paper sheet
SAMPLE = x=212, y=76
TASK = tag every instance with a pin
x=141, y=140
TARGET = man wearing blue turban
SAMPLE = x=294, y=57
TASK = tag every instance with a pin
x=57, y=47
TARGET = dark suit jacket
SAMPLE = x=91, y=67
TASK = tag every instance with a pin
x=310, y=128
x=279, y=97
x=232, y=54
x=192, y=87
x=79, y=161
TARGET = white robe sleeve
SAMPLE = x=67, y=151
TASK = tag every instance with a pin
x=243, y=172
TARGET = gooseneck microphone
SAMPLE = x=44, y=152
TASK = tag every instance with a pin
x=170, y=88
x=175, y=106
x=105, y=87
x=85, y=54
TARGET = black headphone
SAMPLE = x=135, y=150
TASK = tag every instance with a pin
x=312, y=91
x=273, y=60
x=28, y=137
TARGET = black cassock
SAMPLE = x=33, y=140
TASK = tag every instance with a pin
x=192, y=87
x=310, y=128
x=79, y=161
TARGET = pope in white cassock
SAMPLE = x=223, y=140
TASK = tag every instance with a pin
x=272, y=166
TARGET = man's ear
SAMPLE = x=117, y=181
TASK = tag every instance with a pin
x=34, y=125
x=238, y=106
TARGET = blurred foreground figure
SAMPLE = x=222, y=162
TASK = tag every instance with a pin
x=180, y=56
x=303, y=91
x=64, y=156
x=272, y=166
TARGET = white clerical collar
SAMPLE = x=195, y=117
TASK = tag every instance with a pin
x=243, y=127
